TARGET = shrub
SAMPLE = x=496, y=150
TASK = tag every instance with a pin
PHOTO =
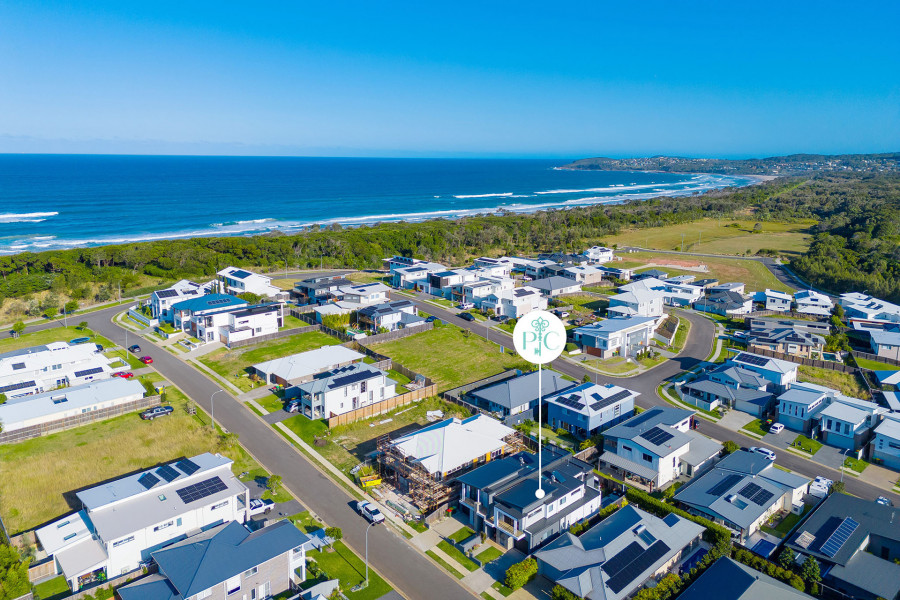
x=561, y=431
x=560, y=593
x=730, y=446
x=520, y=573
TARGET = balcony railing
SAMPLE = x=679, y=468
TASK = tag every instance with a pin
x=509, y=528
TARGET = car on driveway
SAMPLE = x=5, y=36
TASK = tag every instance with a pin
x=135, y=349
x=465, y=306
x=123, y=375
x=157, y=411
x=369, y=511
x=146, y=360
x=292, y=406
x=776, y=428
x=259, y=506
x=764, y=452
x=467, y=316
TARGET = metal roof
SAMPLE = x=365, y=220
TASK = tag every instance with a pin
x=727, y=579
x=520, y=390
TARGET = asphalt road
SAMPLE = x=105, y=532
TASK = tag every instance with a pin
x=697, y=348
x=415, y=576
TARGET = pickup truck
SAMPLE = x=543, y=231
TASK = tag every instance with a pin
x=369, y=511
x=259, y=506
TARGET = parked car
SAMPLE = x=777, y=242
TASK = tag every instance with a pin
x=467, y=316
x=77, y=341
x=431, y=319
x=776, y=428
x=99, y=347
x=135, y=349
x=157, y=411
x=764, y=452
x=146, y=360
x=465, y=306
x=124, y=374
x=292, y=406
x=259, y=506
x=369, y=511
x=884, y=501
x=562, y=314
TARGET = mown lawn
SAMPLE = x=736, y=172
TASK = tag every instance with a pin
x=755, y=426
x=449, y=357
x=52, y=587
x=613, y=366
x=753, y=273
x=45, y=336
x=292, y=322
x=684, y=328
x=35, y=475
x=342, y=564
x=271, y=403
x=454, y=553
x=233, y=364
x=874, y=365
x=847, y=383
x=855, y=464
x=444, y=563
x=806, y=444
x=462, y=534
x=486, y=556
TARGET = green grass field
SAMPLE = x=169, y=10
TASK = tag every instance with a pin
x=855, y=464
x=52, y=588
x=486, y=556
x=292, y=322
x=716, y=237
x=342, y=564
x=367, y=277
x=454, y=553
x=447, y=566
x=616, y=365
x=271, y=403
x=751, y=272
x=807, y=445
x=847, y=383
x=462, y=534
x=449, y=357
x=45, y=336
x=35, y=474
x=681, y=335
x=755, y=426
x=232, y=364
x=874, y=365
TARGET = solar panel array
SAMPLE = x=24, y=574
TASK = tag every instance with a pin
x=148, y=480
x=339, y=382
x=168, y=473
x=657, y=436
x=748, y=490
x=240, y=274
x=752, y=359
x=840, y=536
x=756, y=494
x=201, y=490
x=219, y=301
x=16, y=386
x=726, y=484
x=187, y=466
x=571, y=402
x=92, y=371
x=166, y=293
x=630, y=572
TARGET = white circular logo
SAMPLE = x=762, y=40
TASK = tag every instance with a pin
x=540, y=337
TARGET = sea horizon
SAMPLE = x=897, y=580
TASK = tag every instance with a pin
x=52, y=201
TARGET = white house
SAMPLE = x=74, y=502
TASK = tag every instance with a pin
x=515, y=302
x=862, y=307
x=365, y=294
x=41, y=409
x=162, y=300
x=234, y=281
x=637, y=303
x=775, y=300
x=478, y=291
x=885, y=343
x=301, y=367
x=42, y=368
x=838, y=420
x=674, y=292
x=344, y=389
x=124, y=520
x=245, y=323
x=533, y=268
x=415, y=276
x=623, y=336
x=725, y=303
x=599, y=254
x=780, y=373
x=188, y=315
x=885, y=446
x=390, y=316
x=810, y=302
x=658, y=446
x=735, y=286
x=492, y=267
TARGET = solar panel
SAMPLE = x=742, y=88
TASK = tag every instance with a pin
x=93, y=371
x=636, y=567
x=218, y=301
x=762, y=497
x=187, y=466
x=166, y=293
x=752, y=359
x=16, y=386
x=749, y=490
x=168, y=473
x=620, y=395
x=726, y=484
x=240, y=274
x=148, y=480
x=621, y=560
x=657, y=436
x=840, y=536
x=201, y=490
x=350, y=379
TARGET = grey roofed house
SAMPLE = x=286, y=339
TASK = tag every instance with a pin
x=762, y=324
x=614, y=558
x=727, y=579
x=200, y=562
x=723, y=299
x=727, y=393
x=730, y=374
x=548, y=285
x=647, y=420
x=341, y=377
x=788, y=335
x=507, y=396
x=706, y=283
x=306, y=364
x=652, y=273
x=841, y=529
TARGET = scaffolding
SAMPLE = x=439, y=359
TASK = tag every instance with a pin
x=423, y=490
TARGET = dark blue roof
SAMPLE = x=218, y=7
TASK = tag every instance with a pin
x=154, y=587
x=495, y=470
x=209, y=301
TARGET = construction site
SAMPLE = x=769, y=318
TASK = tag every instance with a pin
x=424, y=490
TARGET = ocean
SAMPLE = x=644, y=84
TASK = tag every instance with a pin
x=64, y=201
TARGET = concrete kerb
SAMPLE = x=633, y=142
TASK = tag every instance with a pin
x=257, y=406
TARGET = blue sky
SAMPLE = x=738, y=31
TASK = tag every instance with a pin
x=449, y=79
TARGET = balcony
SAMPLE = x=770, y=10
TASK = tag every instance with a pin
x=516, y=533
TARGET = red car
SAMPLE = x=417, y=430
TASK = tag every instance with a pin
x=146, y=360
x=126, y=375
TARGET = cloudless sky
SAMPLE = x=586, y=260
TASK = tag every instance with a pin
x=488, y=78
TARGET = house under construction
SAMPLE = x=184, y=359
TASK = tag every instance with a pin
x=424, y=464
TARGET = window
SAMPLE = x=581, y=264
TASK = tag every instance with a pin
x=63, y=524
x=162, y=526
x=118, y=543
x=18, y=366
x=233, y=585
x=563, y=500
x=251, y=572
x=204, y=594
x=298, y=550
x=219, y=505
x=69, y=537
x=846, y=428
x=178, y=522
x=647, y=457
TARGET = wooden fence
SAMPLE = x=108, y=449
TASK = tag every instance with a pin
x=889, y=362
x=384, y=406
x=27, y=433
x=807, y=362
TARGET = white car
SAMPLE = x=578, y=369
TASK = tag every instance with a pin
x=369, y=511
x=465, y=306
x=776, y=428
x=258, y=506
x=764, y=452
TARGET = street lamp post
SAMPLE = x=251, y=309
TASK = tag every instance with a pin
x=367, y=552
x=844, y=456
x=212, y=407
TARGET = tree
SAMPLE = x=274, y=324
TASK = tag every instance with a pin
x=70, y=307
x=730, y=447
x=274, y=483
x=520, y=573
x=13, y=573
x=560, y=593
x=83, y=325
x=786, y=558
x=838, y=311
x=18, y=328
x=585, y=379
x=837, y=488
x=811, y=573
x=250, y=297
x=335, y=534
x=2, y=398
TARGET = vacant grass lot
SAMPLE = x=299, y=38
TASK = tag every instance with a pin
x=613, y=366
x=368, y=277
x=584, y=304
x=751, y=272
x=37, y=475
x=233, y=364
x=45, y=336
x=847, y=383
x=874, y=365
x=449, y=357
x=717, y=237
